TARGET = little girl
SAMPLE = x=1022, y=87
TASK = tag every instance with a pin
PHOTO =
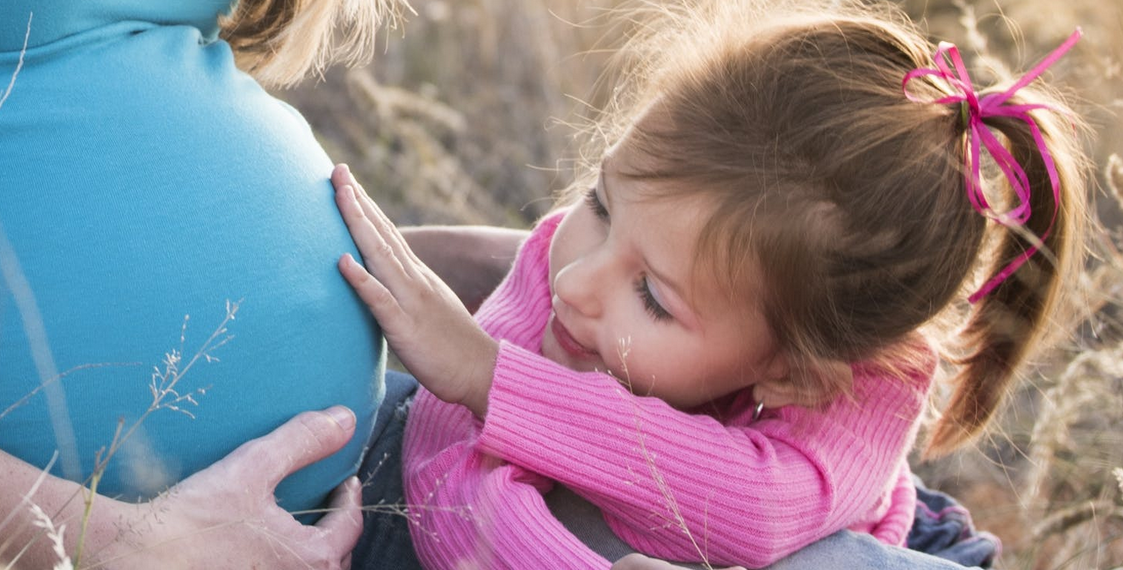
x=719, y=343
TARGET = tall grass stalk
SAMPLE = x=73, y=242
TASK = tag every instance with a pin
x=165, y=396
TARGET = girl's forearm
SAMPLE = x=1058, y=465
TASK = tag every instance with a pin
x=636, y=458
x=470, y=508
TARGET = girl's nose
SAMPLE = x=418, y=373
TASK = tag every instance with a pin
x=580, y=285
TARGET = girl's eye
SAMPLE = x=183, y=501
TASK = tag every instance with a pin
x=594, y=203
x=650, y=303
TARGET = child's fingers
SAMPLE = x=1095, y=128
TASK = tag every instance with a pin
x=386, y=228
x=389, y=230
x=373, y=293
x=343, y=177
x=379, y=255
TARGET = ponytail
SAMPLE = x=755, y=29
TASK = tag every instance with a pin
x=1010, y=320
x=280, y=41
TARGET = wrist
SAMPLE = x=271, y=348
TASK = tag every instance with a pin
x=61, y=501
x=125, y=535
x=480, y=378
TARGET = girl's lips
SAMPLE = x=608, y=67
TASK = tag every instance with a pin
x=567, y=342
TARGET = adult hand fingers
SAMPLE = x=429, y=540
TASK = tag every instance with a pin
x=343, y=523
x=305, y=439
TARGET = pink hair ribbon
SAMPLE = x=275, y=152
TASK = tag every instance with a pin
x=979, y=136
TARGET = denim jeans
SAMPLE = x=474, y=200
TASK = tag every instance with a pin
x=385, y=542
x=943, y=527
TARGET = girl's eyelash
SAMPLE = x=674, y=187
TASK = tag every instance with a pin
x=594, y=203
x=652, y=306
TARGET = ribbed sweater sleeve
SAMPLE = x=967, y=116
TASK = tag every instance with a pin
x=674, y=485
x=472, y=510
x=894, y=526
x=681, y=486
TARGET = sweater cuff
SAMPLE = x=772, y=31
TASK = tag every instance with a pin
x=507, y=407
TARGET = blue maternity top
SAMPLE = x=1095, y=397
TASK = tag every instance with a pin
x=143, y=178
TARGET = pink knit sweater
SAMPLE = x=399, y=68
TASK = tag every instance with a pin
x=674, y=485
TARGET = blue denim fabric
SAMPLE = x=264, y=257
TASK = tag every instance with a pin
x=385, y=542
x=943, y=528
x=860, y=551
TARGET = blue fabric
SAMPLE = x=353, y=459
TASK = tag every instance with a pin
x=860, y=551
x=386, y=542
x=56, y=19
x=944, y=528
x=144, y=178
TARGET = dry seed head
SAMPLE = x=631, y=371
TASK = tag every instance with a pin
x=1113, y=175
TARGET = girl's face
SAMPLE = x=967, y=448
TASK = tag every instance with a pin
x=626, y=299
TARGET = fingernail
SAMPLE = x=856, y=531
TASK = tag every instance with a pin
x=342, y=416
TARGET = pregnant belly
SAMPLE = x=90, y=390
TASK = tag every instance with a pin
x=147, y=184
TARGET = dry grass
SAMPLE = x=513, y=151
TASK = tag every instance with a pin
x=1043, y=479
x=463, y=120
x=457, y=121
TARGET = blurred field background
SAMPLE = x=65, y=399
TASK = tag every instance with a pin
x=464, y=118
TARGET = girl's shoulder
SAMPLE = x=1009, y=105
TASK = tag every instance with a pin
x=545, y=227
x=533, y=254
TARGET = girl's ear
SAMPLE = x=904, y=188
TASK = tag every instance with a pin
x=802, y=386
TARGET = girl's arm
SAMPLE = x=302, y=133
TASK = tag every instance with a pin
x=224, y=516
x=472, y=510
x=472, y=260
x=683, y=486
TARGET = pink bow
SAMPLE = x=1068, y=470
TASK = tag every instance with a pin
x=994, y=105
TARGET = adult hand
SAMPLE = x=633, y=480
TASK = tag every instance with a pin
x=227, y=517
x=641, y=562
x=424, y=321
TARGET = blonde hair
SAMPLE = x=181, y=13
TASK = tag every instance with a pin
x=280, y=42
x=849, y=198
